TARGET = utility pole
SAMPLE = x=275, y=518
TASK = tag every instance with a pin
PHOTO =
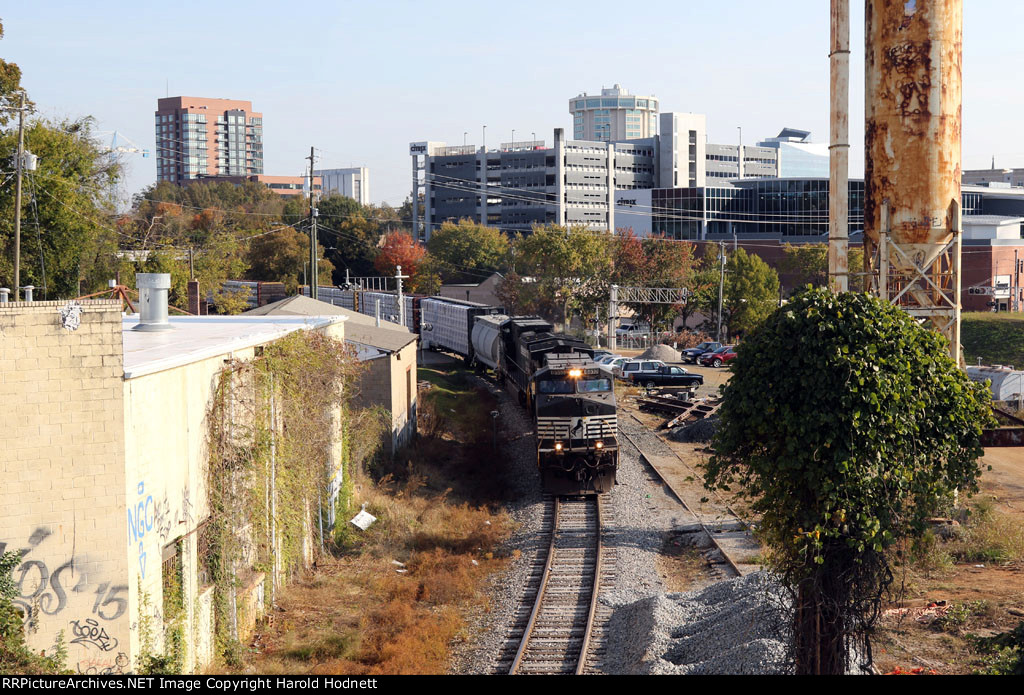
x=721, y=290
x=314, y=280
x=17, y=199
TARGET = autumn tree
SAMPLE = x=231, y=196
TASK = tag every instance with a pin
x=399, y=250
x=845, y=425
x=572, y=267
x=467, y=251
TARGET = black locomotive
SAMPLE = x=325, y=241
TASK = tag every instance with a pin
x=572, y=402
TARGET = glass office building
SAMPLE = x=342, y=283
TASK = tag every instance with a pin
x=750, y=208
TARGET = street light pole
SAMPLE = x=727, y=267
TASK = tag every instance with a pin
x=17, y=199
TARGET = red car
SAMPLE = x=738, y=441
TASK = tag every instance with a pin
x=719, y=356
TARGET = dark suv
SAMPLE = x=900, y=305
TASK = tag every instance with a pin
x=693, y=354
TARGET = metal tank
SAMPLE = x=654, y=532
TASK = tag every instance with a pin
x=913, y=96
x=487, y=339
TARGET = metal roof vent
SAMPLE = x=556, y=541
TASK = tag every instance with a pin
x=153, y=288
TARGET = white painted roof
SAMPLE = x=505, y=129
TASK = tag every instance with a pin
x=196, y=338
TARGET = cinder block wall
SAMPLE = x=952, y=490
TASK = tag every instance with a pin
x=62, y=500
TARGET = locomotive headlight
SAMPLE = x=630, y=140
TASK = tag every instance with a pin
x=575, y=373
x=598, y=444
x=558, y=446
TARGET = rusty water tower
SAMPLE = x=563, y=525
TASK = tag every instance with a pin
x=913, y=96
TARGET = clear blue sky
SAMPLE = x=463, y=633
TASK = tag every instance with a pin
x=360, y=80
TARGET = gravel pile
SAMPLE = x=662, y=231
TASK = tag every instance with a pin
x=663, y=353
x=736, y=626
x=699, y=431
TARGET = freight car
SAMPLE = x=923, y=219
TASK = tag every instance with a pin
x=447, y=324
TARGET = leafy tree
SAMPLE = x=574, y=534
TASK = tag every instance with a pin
x=399, y=249
x=10, y=85
x=572, y=267
x=845, y=424
x=467, y=251
x=352, y=233
x=751, y=292
x=66, y=233
x=807, y=264
x=703, y=287
x=283, y=256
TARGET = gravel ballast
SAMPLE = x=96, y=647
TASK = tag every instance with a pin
x=735, y=626
x=698, y=431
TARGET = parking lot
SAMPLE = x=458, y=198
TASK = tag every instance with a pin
x=714, y=377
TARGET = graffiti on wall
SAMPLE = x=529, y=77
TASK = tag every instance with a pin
x=45, y=590
x=149, y=515
x=141, y=520
x=100, y=666
x=92, y=634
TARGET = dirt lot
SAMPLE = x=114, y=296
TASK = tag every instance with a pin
x=982, y=598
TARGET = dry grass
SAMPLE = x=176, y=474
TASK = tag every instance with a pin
x=392, y=601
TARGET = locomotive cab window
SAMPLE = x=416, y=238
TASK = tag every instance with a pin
x=554, y=387
x=594, y=385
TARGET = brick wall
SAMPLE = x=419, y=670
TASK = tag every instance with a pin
x=62, y=500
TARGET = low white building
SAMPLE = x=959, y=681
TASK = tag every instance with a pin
x=106, y=476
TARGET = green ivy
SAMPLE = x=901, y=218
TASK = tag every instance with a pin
x=266, y=479
x=846, y=425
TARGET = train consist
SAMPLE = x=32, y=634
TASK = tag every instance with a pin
x=570, y=397
x=553, y=375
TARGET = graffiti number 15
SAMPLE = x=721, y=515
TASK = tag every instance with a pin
x=113, y=596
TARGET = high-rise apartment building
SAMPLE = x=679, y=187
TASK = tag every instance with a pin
x=614, y=116
x=197, y=137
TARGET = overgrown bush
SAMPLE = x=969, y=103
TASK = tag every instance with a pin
x=846, y=424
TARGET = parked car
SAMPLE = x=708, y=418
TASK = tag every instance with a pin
x=666, y=376
x=639, y=367
x=632, y=330
x=693, y=354
x=602, y=354
x=718, y=357
x=616, y=365
x=605, y=358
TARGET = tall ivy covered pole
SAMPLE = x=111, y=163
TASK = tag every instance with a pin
x=846, y=425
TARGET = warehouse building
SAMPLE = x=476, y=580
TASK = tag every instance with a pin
x=106, y=490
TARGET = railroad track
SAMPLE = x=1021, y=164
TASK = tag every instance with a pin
x=731, y=542
x=559, y=635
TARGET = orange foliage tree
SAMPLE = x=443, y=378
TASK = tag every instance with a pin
x=399, y=249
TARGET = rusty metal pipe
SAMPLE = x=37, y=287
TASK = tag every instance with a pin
x=839, y=148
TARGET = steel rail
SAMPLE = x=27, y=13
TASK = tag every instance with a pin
x=538, y=603
x=682, y=501
x=593, y=597
x=540, y=596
